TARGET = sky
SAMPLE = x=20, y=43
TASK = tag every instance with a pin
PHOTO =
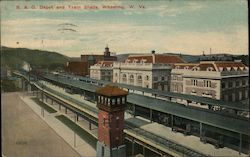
x=86, y=27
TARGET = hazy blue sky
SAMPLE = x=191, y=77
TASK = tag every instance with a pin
x=189, y=27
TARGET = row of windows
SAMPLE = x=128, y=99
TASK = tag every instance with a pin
x=176, y=77
x=106, y=73
x=232, y=84
x=109, y=101
x=162, y=78
x=241, y=95
x=131, y=77
x=206, y=83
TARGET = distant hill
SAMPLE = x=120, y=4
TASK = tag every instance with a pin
x=14, y=58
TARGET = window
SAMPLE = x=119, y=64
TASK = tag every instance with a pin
x=194, y=82
x=174, y=77
x=139, y=79
x=206, y=83
x=237, y=83
x=162, y=78
x=155, y=78
x=223, y=85
x=99, y=99
x=147, y=77
x=230, y=84
x=108, y=101
x=243, y=82
x=226, y=97
x=113, y=101
x=240, y=95
x=123, y=100
x=233, y=97
x=131, y=78
x=118, y=100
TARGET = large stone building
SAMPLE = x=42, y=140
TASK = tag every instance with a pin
x=81, y=65
x=150, y=70
x=102, y=70
x=223, y=80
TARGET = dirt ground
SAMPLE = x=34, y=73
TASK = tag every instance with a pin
x=24, y=134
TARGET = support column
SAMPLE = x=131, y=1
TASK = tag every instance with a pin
x=65, y=110
x=143, y=151
x=200, y=130
x=84, y=93
x=151, y=115
x=29, y=88
x=90, y=125
x=172, y=121
x=77, y=117
x=240, y=144
x=42, y=96
x=59, y=106
x=52, y=101
x=94, y=97
x=133, y=110
x=133, y=148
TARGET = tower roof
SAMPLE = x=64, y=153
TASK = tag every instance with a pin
x=111, y=90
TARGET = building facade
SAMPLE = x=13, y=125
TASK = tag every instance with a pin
x=222, y=80
x=149, y=71
x=102, y=70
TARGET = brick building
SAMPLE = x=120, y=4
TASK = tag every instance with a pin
x=223, y=80
x=81, y=66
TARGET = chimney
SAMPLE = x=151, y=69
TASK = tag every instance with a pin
x=153, y=56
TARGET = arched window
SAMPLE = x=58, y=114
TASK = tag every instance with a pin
x=147, y=77
x=124, y=78
x=139, y=79
x=131, y=79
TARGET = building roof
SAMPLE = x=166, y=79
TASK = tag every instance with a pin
x=111, y=90
x=74, y=59
x=220, y=66
x=105, y=63
x=184, y=65
x=155, y=58
x=208, y=117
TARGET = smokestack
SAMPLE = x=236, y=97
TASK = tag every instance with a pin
x=153, y=55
